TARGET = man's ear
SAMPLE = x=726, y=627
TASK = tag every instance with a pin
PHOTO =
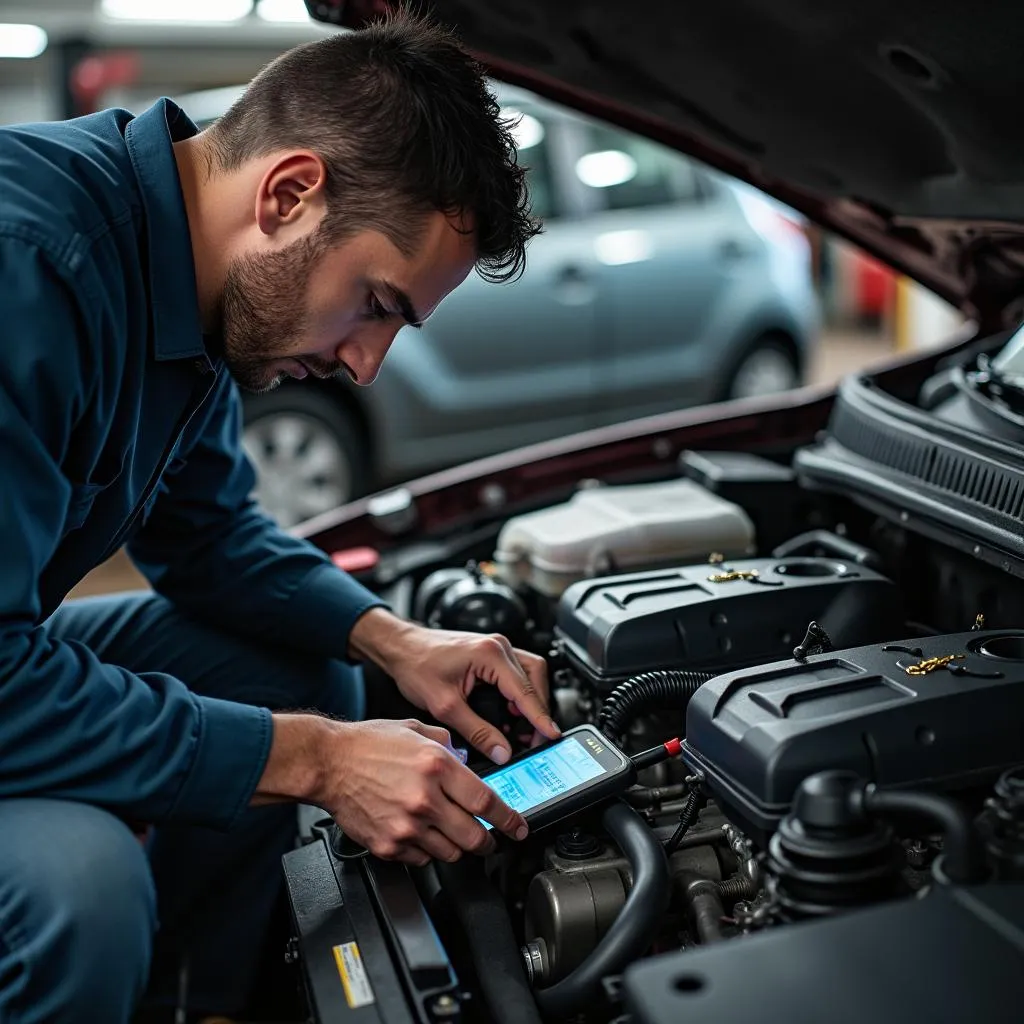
x=291, y=190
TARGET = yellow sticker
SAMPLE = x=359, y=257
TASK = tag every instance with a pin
x=353, y=976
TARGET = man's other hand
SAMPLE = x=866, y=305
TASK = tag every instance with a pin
x=397, y=788
x=437, y=669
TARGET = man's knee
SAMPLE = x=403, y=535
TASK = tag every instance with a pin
x=77, y=914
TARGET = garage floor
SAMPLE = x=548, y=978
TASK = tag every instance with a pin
x=840, y=353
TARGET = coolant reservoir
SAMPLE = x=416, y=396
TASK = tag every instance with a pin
x=603, y=530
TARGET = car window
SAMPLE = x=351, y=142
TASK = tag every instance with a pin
x=532, y=132
x=628, y=171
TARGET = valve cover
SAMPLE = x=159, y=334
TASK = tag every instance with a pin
x=940, y=712
x=715, y=616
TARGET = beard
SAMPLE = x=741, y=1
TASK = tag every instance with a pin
x=259, y=323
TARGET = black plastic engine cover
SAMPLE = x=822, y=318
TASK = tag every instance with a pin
x=712, y=616
x=947, y=959
x=756, y=734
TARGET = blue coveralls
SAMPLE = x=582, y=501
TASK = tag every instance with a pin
x=119, y=424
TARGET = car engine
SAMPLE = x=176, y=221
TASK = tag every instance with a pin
x=838, y=639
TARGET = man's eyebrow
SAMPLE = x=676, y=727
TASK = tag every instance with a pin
x=404, y=304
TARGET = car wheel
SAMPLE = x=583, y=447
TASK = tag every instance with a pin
x=768, y=368
x=308, y=452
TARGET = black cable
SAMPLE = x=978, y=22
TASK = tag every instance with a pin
x=637, y=924
x=687, y=816
x=962, y=860
x=651, y=690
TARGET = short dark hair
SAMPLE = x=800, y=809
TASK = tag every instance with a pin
x=403, y=119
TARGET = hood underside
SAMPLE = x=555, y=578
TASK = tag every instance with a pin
x=895, y=123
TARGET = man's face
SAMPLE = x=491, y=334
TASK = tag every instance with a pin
x=299, y=311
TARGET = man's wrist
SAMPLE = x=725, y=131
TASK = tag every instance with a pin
x=379, y=636
x=294, y=768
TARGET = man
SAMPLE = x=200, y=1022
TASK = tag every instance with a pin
x=144, y=269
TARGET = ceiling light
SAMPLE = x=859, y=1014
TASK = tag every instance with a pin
x=21, y=40
x=526, y=129
x=177, y=10
x=616, y=248
x=282, y=10
x=605, y=169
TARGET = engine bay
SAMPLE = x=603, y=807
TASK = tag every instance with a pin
x=837, y=635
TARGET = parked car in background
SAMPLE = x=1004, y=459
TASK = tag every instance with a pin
x=656, y=284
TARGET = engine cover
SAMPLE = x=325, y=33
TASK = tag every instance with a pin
x=877, y=711
x=716, y=616
x=950, y=958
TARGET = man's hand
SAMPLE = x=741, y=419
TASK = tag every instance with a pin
x=437, y=670
x=395, y=787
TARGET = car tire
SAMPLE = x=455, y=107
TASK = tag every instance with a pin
x=309, y=451
x=767, y=367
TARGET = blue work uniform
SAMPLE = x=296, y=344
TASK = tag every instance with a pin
x=120, y=425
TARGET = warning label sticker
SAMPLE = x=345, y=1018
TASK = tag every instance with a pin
x=353, y=975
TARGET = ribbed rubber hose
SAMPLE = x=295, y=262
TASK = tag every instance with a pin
x=647, y=692
x=633, y=930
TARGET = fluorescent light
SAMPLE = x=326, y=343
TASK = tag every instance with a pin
x=282, y=10
x=616, y=248
x=607, y=168
x=177, y=10
x=21, y=40
x=527, y=130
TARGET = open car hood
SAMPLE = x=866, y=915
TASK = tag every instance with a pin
x=894, y=123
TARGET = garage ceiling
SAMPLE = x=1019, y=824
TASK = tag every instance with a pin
x=172, y=56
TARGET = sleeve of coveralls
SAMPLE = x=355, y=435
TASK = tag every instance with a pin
x=72, y=726
x=209, y=549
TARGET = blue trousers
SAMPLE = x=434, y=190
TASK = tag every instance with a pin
x=87, y=915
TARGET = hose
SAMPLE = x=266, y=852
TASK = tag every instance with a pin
x=962, y=859
x=705, y=903
x=497, y=959
x=645, y=692
x=635, y=927
x=813, y=541
x=654, y=796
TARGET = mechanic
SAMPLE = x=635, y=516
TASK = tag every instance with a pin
x=145, y=270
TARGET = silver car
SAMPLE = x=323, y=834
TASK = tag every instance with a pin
x=656, y=284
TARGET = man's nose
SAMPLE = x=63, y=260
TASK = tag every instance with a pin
x=365, y=354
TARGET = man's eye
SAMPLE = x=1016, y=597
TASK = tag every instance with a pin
x=374, y=309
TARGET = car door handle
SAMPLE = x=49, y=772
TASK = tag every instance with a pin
x=732, y=249
x=573, y=285
x=570, y=272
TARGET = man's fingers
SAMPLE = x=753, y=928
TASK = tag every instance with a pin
x=536, y=670
x=472, y=794
x=439, y=846
x=413, y=856
x=478, y=732
x=522, y=678
x=432, y=732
